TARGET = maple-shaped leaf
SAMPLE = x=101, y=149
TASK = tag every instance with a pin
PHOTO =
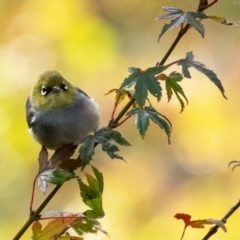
x=104, y=137
x=172, y=86
x=92, y=194
x=189, y=62
x=52, y=229
x=180, y=17
x=142, y=120
x=145, y=81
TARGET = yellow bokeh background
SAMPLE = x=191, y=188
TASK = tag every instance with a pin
x=93, y=43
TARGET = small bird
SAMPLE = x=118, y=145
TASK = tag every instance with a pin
x=58, y=113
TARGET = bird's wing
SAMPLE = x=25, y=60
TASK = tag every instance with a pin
x=30, y=113
x=81, y=91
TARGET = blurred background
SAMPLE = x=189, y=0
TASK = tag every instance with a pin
x=93, y=43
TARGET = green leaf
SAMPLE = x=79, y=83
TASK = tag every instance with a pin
x=60, y=176
x=92, y=194
x=145, y=81
x=109, y=135
x=172, y=12
x=190, y=17
x=86, y=225
x=174, y=23
x=189, y=62
x=87, y=150
x=179, y=18
x=105, y=136
x=133, y=69
x=142, y=120
x=111, y=150
x=99, y=177
x=173, y=86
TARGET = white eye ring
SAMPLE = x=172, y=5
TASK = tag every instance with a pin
x=64, y=86
x=44, y=90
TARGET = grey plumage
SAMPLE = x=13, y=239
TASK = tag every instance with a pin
x=66, y=125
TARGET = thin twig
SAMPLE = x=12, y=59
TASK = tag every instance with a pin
x=214, y=229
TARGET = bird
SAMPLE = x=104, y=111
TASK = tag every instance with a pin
x=59, y=113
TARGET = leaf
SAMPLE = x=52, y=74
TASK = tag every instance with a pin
x=221, y=20
x=87, y=150
x=188, y=62
x=111, y=135
x=43, y=160
x=142, y=120
x=59, y=176
x=145, y=81
x=61, y=155
x=180, y=17
x=42, y=180
x=36, y=229
x=173, y=86
x=87, y=226
x=198, y=223
x=121, y=95
x=174, y=23
x=172, y=12
x=190, y=18
x=47, y=167
x=72, y=164
x=52, y=229
x=219, y=223
x=104, y=136
x=92, y=194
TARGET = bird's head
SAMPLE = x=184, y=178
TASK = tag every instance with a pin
x=52, y=91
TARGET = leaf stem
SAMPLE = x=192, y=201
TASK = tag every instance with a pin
x=121, y=114
x=35, y=215
x=33, y=193
x=184, y=230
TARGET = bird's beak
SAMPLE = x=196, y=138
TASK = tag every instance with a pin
x=56, y=89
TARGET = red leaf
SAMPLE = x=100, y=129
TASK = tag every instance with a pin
x=185, y=217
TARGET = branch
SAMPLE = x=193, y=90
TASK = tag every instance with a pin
x=183, y=30
x=214, y=229
x=35, y=215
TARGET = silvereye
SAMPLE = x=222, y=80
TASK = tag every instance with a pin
x=59, y=113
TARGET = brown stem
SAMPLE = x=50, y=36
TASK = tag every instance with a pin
x=181, y=33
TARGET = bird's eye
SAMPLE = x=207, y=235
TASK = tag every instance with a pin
x=64, y=86
x=44, y=90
